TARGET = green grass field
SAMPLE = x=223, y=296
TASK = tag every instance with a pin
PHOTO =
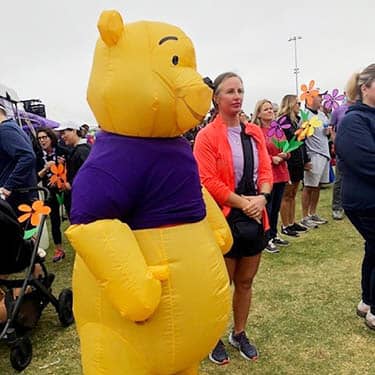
x=302, y=320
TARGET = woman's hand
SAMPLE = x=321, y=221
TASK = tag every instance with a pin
x=48, y=165
x=283, y=155
x=277, y=160
x=67, y=186
x=61, y=160
x=46, y=168
x=5, y=192
x=307, y=166
x=255, y=206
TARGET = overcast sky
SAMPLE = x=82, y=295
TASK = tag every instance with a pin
x=47, y=46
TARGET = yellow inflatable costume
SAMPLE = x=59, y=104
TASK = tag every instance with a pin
x=151, y=292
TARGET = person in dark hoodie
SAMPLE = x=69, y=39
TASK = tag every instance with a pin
x=17, y=162
x=355, y=146
x=298, y=162
x=79, y=151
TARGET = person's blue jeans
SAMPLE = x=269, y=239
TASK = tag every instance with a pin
x=273, y=208
x=336, y=192
x=364, y=222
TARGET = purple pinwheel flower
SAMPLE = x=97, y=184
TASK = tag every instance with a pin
x=331, y=101
x=276, y=127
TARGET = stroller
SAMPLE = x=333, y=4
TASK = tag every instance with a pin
x=24, y=308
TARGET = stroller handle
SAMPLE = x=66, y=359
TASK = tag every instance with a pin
x=45, y=191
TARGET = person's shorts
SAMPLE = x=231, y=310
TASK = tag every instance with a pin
x=319, y=173
x=296, y=173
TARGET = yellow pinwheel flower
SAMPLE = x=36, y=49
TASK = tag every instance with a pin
x=307, y=129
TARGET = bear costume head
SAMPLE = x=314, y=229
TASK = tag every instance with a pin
x=144, y=81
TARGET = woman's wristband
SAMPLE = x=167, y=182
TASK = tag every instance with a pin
x=267, y=196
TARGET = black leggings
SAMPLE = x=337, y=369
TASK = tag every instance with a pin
x=273, y=207
x=55, y=218
x=364, y=222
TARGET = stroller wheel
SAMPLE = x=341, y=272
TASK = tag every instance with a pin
x=66, y=308
x=21, y=354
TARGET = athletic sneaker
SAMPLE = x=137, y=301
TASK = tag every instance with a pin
x=298, y=228
x=370, y=320
x=58, y=255
x=338, y=214
x=362, y=309
x=308, y=223
x=280, y=241
x=318, y=220
x=219, y=354
x=242, y=343
x=271, y=248
x=289, y=231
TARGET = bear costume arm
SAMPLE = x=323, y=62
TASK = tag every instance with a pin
x=218, y=223
x=111, y=253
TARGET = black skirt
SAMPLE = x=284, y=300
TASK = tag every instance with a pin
x=245, y=247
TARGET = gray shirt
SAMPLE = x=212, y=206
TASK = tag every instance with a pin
x=318, y=142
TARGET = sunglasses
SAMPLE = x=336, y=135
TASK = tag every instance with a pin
x=43, y=137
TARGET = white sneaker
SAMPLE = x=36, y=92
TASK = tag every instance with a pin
x=271, y=248
x=308, y=223
x=362, y=309
x=370, y=320
x=41, y=252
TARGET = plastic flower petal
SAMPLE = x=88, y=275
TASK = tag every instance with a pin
x=309, y=93
x=24, y=217
x=40, y=208
x=276, y=128
x=315, y=122
x=34, y=212
x=58, y=177
x=272, y=129
x=332, y=101
x=24, y=208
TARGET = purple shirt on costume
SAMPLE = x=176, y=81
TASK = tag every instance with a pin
x=337, y=115
x=145, y=182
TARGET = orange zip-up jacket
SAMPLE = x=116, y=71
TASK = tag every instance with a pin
x=214, y=157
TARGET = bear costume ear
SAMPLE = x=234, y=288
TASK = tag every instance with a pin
x=111, y=27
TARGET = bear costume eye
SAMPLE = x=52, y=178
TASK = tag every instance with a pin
x=175, y=60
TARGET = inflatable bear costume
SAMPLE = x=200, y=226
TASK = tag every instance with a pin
x=150, y=284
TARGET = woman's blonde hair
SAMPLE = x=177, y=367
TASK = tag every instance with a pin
x=353, y=87
x=258, y=106
x=286, y=107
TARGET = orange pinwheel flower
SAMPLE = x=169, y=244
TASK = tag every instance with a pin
x=34, y=212
x=309, y=93
x=58, y=177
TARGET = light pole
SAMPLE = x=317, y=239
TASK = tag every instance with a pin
x=296, y=68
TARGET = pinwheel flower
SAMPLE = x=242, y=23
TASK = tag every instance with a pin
x=307, y=129
x=276, y=127
x=309, y=93
x=332, y=101
x=34, y=212
x=58, y=177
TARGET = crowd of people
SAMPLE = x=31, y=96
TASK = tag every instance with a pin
x=26, y=160
x=251, y=178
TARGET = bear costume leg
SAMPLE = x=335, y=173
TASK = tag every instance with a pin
x=105, y=352
x=190, y=371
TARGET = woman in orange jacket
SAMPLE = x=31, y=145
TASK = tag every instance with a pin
x=235, y=168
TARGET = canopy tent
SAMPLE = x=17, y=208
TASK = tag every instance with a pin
x=28, y=120
x=36, y=121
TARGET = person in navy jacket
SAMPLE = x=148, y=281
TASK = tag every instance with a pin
x=355, y=146
x=17, y=161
